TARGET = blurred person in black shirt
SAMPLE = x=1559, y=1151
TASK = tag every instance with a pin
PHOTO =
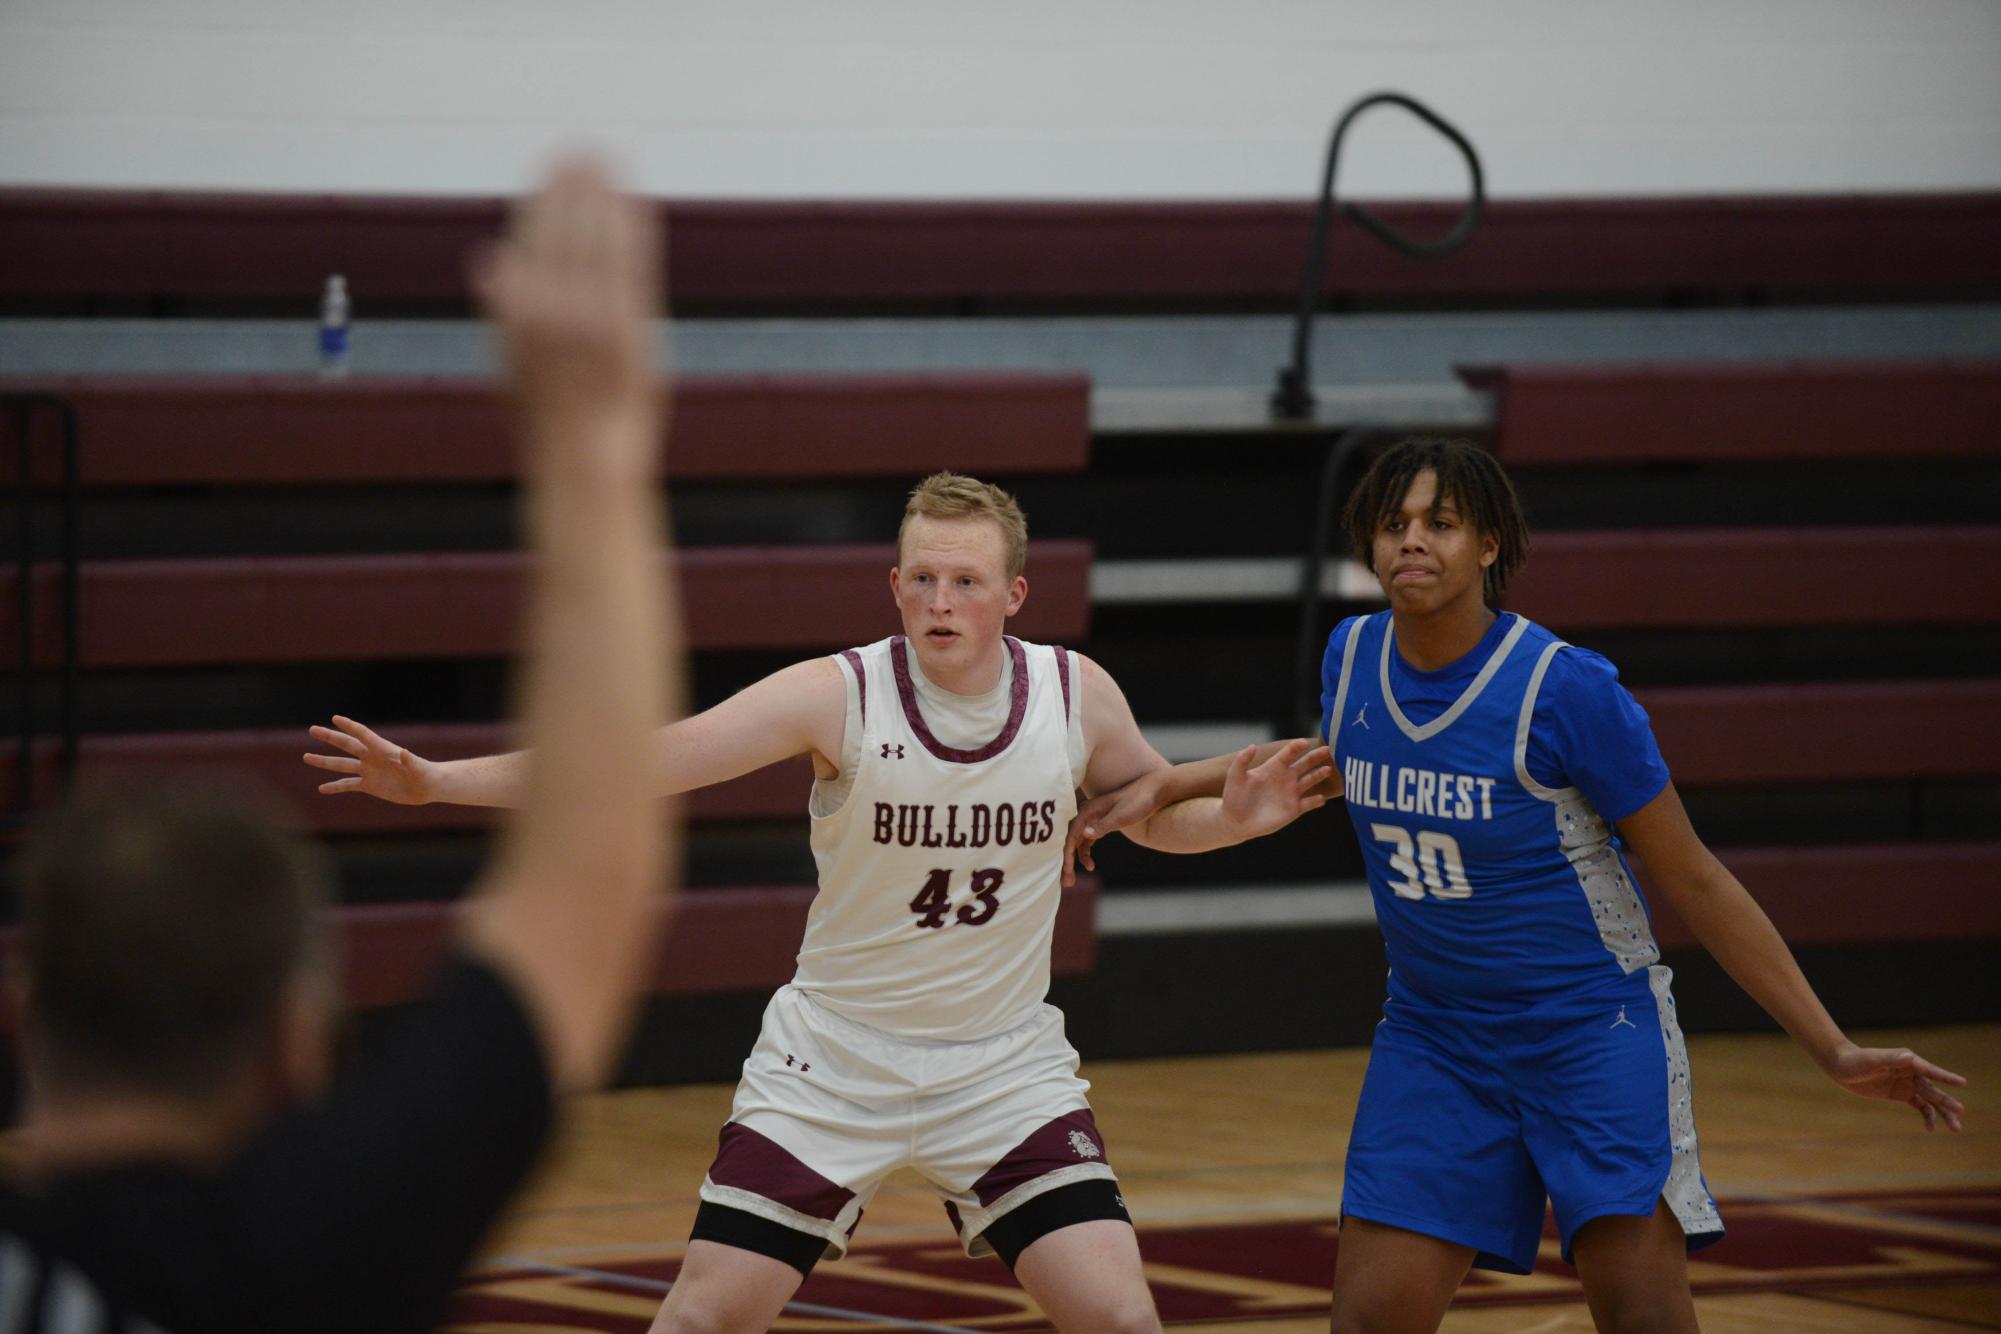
x=189, y=1161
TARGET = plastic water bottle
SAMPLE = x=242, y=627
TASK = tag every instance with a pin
x=333, y=329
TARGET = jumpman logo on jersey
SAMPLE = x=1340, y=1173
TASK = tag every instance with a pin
x=1622, y=1019
x=803, y=1066
x=886, y=748
x=1361, y=721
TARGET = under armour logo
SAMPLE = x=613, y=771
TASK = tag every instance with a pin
x=886, y=748
x=1361, y=721
x=803, y=1066
x=1622, y=1019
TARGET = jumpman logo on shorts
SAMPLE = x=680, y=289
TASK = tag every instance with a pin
x=1362, y=721
x=1622, y=1019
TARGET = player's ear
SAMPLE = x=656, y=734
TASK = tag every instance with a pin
x=1490, y=549
x=895, y=582
x=1017, y=593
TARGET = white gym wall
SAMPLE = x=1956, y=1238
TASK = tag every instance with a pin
x=1179, y=99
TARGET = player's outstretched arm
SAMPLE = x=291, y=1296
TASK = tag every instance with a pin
x=797, y=710
x=1732, y=927
x=1184, y=808
x=570, y=908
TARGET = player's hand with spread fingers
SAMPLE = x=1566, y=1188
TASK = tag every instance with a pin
x=372, y=764
x=1259, y=799
x=1898, y=1074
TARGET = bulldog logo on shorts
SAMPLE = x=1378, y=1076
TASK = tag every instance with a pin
x=1080, y=1144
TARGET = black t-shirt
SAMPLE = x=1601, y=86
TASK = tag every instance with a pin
x=354, y=1214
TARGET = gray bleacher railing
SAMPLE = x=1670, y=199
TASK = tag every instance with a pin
x=1292, y=399
x=24, y=406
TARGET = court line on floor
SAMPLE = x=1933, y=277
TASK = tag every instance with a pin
x=1306, y=1208
x=1767, y=1191
x=1896, y=1219
x=654, y=1285
x=1825, y=1297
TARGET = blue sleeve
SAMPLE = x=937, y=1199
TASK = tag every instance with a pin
x=1590, y=733
x=1330, y=668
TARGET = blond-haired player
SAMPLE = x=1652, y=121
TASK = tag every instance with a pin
x=914, y=1032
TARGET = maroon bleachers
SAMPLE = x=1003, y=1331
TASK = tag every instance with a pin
x=1856, y=894
x=269, y=757
x=252, y=430
x=278, y=609
x=1895, y=731
x=1828, y=732
x=740, y=939
x=1784, y=576
x=77, y=243
x=207, y=431
x=1743, y=412
x=189, y=611
x=1771, y=576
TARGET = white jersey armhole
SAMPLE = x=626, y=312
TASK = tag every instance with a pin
x=830, y=794
x=1526, y=718
x=1072, y=668
x=1341, y=689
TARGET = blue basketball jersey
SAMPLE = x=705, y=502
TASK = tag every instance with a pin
x=1499, y=885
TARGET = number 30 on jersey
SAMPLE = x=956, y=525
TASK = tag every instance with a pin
x=1431, y=861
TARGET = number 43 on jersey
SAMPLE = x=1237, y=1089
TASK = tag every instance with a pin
x=931, y=903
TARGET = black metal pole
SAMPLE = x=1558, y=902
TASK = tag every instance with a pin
x=70, y=590
x=72, y=585
x=1326, y=520
x=24, y=607
x=1292, y=399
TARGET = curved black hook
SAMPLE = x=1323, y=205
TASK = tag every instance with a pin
x=1293, y=398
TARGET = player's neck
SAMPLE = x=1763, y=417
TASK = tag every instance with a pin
x=63, y=1137
x=1434, y=640
x=978, y=678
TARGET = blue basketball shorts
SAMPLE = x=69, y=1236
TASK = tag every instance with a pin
x=1469, y=1120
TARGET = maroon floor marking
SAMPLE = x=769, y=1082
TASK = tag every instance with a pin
x=1906, y=1238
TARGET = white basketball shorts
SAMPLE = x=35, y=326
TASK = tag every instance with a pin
x=828, y=1107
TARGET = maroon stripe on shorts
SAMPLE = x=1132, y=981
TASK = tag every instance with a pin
x=1065, y=1142
x=747, y=1161
x=861, y=680
x=1017, y=707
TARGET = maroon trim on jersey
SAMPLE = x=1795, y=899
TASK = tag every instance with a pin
x=1017, y=708
x=861, y=680
x=1063, y=675
x=747, y=1161
x=1057, y=1145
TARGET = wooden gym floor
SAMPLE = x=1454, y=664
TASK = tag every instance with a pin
x=1843, y=1214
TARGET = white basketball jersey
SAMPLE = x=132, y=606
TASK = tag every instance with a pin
x=939, y=871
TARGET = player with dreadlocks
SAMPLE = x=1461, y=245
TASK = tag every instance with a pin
x=1496, y=777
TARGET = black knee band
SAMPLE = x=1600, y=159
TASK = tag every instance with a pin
x=1078, y=1202
x=747, y=1232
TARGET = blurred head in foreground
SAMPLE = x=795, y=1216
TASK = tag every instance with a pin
x=173, y=959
